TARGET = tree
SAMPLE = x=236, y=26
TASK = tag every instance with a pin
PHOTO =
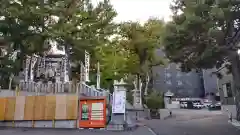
x=205, y=34
x=113, y=63
x=141, y=41
x=76, y=24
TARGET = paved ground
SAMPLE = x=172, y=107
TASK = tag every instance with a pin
x=195, y=122
x=183, y=122
x=139, y=131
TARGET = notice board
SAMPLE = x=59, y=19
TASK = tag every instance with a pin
x=92, y=113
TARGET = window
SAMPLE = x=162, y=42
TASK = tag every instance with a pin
x=179, y=82
x=168, y=75
x=169, y=82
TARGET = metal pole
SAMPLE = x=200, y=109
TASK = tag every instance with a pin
x=98, y=75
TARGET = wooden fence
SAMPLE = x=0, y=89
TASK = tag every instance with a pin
x=49, y=107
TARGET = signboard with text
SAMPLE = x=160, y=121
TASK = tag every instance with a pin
x=119, y=101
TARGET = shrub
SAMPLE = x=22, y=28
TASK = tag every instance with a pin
x=155, y=100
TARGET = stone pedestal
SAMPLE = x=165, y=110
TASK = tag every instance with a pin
x=118, y=120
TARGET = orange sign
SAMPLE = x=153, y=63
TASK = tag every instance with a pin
x=92, y=113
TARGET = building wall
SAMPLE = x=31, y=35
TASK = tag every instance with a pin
x=210, y=84
x=170, y=78
x=210, y=81
x=227, y=78
x=181, y=84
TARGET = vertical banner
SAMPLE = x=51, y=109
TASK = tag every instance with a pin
x=62, y=73
x=28, y=60
x=66, y=79
x=119, y=101
x=82, y=72
x=34, y=59
x=87, y=65
x=98, y=76
x=39, y=66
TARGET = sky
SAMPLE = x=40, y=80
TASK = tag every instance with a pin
x=141, y=10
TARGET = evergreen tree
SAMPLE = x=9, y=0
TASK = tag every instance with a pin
x=205, y=34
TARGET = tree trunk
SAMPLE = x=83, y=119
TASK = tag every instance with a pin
x=10, y=82
x=235, y=61
x=146, y=85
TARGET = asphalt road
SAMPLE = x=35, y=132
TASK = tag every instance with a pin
x=195, y=122
x=183, y=122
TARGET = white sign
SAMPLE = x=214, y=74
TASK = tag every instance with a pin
x=82, y=70
x=119, y=101
x=87, y=65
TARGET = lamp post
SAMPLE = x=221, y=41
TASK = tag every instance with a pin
x=119, y=102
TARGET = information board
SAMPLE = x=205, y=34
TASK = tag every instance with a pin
x=119, y=101
x=92, y=113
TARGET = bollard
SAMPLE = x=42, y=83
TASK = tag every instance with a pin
x=136, y=115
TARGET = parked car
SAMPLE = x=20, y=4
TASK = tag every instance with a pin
x=183, y=104
x=216, y=106
x=207, y=103
x=197, y=105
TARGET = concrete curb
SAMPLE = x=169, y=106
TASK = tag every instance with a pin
x=153, y=132
x=235, y=123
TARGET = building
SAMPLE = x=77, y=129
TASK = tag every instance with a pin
x=192, y=84
x=210, y=82
x=170, y=78
x=226, y=86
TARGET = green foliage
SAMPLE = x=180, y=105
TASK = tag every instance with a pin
x=201, y=32
x=206, y=34
x=142, y=41
x=130, y=51
x=122, y=49
x=130, y=97
x=76, y=24
x=155, y=100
